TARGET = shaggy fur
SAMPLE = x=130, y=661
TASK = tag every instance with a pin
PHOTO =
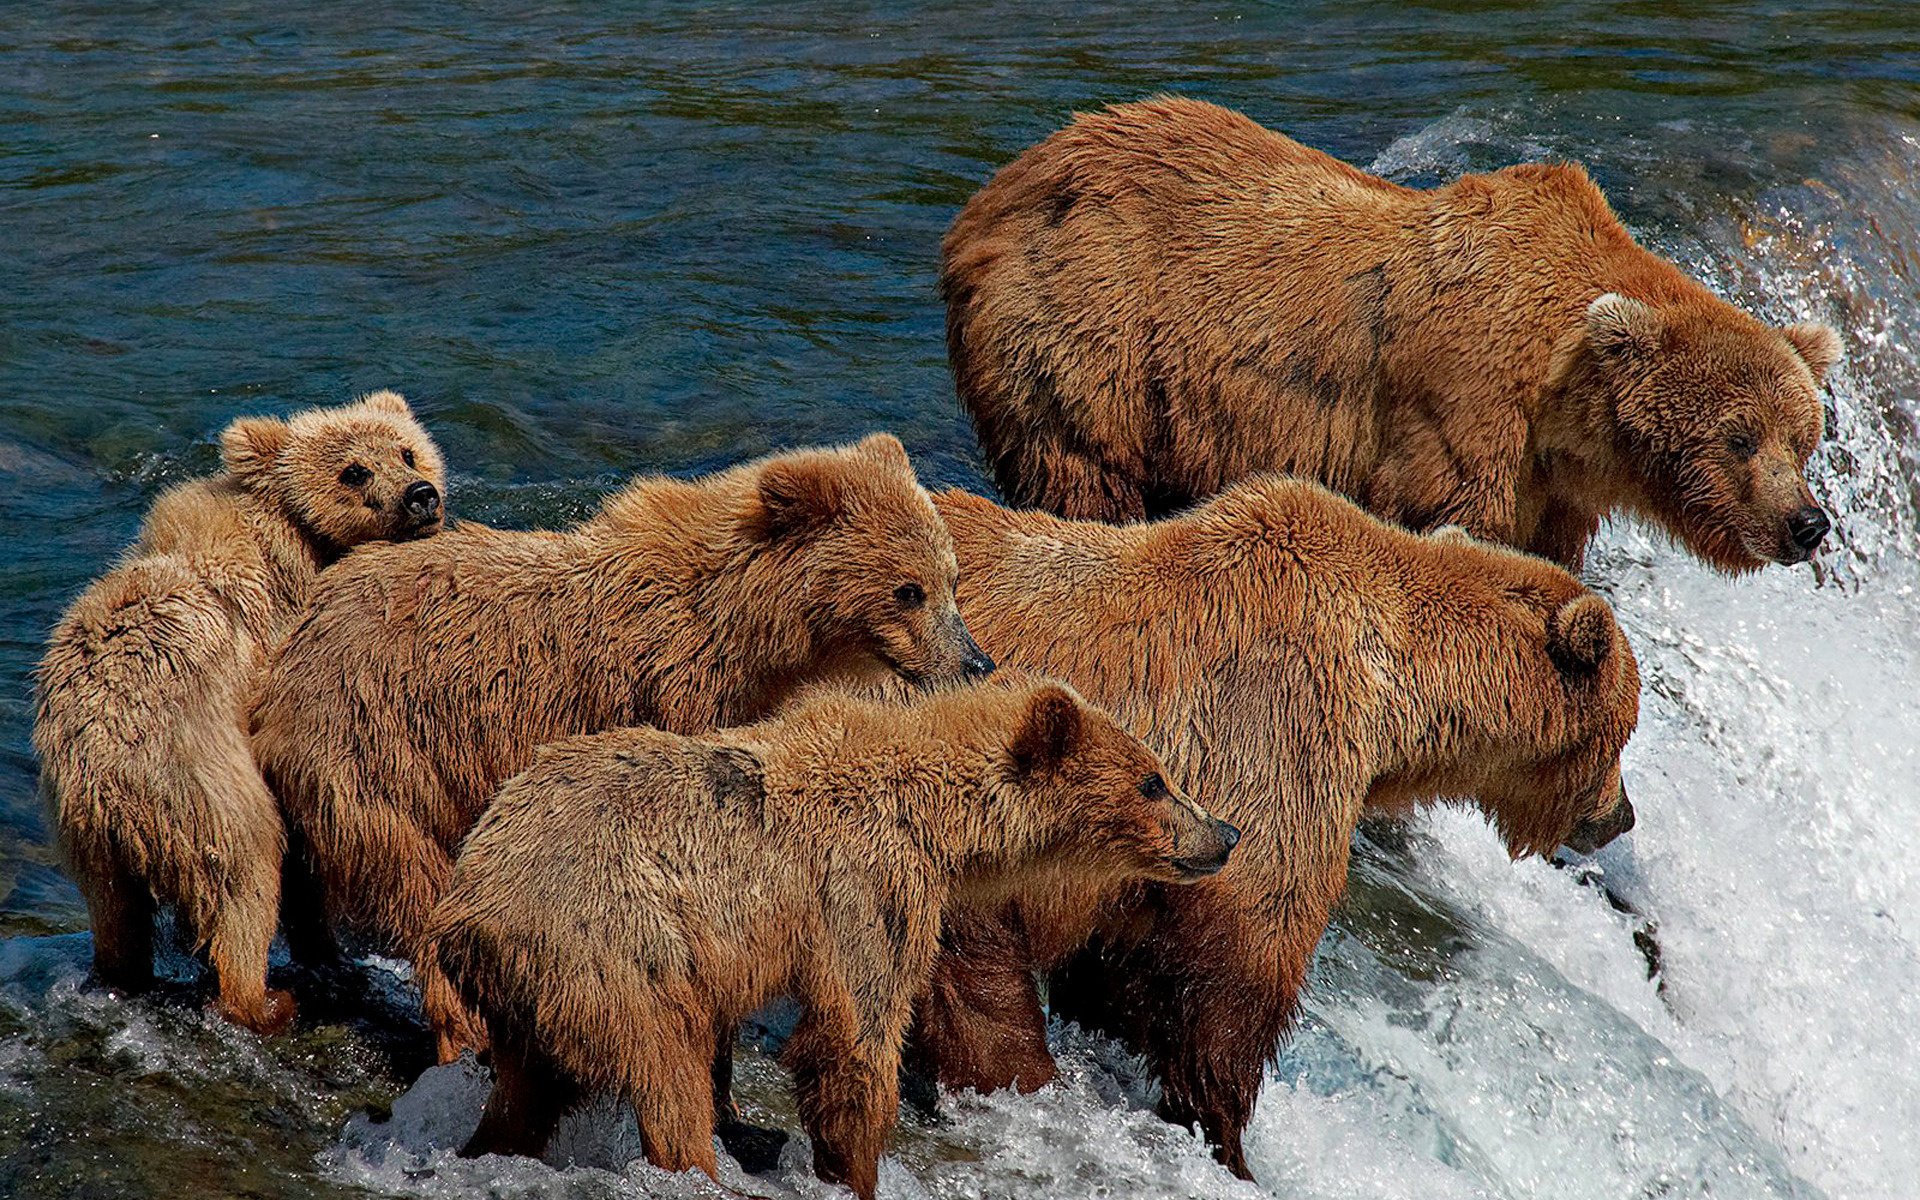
x=636, y=893
x=1165, y=297
x=424, y=675
x=147, y=679
x=1294, y=661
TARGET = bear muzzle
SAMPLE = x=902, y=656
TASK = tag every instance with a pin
x=1594, y=832
x=1806, y=529
x=1211, y=857
x=421, y=502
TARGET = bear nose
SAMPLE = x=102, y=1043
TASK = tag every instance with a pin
x=1807, y=526
x=1228, y=835
x=974, y=662
x=422, y=500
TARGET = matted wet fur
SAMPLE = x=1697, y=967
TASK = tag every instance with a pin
x=1164, y=297
x=1293, y=661
x=146, y=682
x=424, y=675
x=635, y=894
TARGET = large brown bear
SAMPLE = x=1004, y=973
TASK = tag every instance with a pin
x=147, y=679
x=1165, y=297
x=424, y=675
x=635, y=894
x=1293, y=661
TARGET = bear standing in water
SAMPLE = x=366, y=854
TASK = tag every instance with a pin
x=635, y=894
x=426, y=675
x=1165, y=297
x=146, y=683
x=1293, y=661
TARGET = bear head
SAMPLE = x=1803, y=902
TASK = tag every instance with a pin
x=1717, y=414
x=361, y=472
x=1069, y=758
x=1529, y=692
x=872, y=566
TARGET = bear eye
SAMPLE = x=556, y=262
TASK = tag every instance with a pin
x=911, y=595
x=355, y=475
x=1742, y=446
x=1153, y=788
x=406, y=456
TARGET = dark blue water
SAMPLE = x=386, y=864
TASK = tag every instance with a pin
x=593, y=239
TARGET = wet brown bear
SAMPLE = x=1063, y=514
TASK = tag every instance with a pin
x=1293, y=661
x=635, y=894
x=424, y=675
x=1165, y=297
x=146, y=682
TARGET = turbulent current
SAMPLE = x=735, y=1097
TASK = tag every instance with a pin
x=1724, y=1003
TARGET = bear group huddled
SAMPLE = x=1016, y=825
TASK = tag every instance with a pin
x=1301, y=464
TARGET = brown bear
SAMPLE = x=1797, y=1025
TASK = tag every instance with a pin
x=635, y=894
x=147, y=679
x=425, y=675
x=1165, y=297
x=1293, y=661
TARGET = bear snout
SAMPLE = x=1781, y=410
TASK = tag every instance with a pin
x=1594, y=832
x=1211, y=856
x=975, y=663
x=1806, y=529
x=422, y=502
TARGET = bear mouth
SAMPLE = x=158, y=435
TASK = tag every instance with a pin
x=1199, y=868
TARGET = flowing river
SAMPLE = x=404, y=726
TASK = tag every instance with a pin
x=590, y=240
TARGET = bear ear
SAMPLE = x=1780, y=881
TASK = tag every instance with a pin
x=1580, y=635
x=252, y=445
x=1816, y=343
x=798, y=496
x=387, y=401
x=886, y=448
x=1048, y=732
x=1619, y=327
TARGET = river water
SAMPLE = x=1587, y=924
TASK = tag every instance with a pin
x=590, y=240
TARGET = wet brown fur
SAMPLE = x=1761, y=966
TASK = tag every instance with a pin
x=1165, y=297
x=424, y=675
x=635, y=894
x=1293, y=661
x=147, y=679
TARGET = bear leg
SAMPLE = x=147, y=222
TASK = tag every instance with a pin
x=672, y=1095
x=456, y=1027
x=979, y=1025
x=529, y=1096
x=237, y=946
x=1074, y=485
x=849, y=1096
x=120, y=910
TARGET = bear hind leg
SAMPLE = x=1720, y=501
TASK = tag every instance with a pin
x=237, y=946
x=530, y=1095
x=1072, y=484
x=979, y=1024
x=120, y=910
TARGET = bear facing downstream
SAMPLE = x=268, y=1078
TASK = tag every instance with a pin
x=425, y=675
x=146, y=682
x=1293, y=661
x=1165, y=297
x=635, y=894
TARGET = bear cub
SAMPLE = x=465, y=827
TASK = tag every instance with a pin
x=426, y=675
x=147, y=679
x=636, y=893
